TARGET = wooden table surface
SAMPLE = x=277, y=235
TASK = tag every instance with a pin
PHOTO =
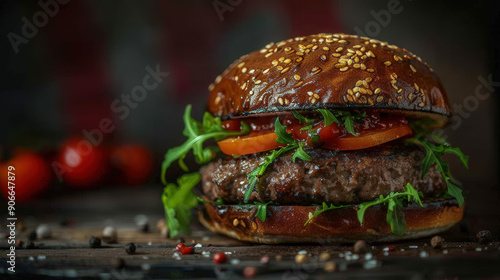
x=74, y=218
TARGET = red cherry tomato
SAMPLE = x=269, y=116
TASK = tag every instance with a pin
x=29, y=177
x=81, y=164
x=219, y=258
x=179, y=246
x=186, y=250
x=132, y=164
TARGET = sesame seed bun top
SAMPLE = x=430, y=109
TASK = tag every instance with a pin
x=329, y=71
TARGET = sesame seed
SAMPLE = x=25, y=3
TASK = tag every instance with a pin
x=244, y=85
x=340, y=65
x=274, y=63
x=363, y=90
x=299, y=53
x=344, y=69
x=257, y=82
x=350, y=91
x=389, y=102
x=363, y=67
x=399, y=91
x=314, y=48
x=380, y=98
x=393, y=81
x=323, y=57
x=369, y=91
x=217, y=79
x=388, y=63
x=279, y=67
x=241, y=64
x=287, y=102
x=356, y=46
x=410, y=96
x=265, y=71
x=243, y=223
x=244, y=70
x=313, y=101
x=280, y=100
x=359, y=83
x=413, y=68
x=236, y=78
x=355, y=89
x=299, y=59
x=350, y=98
x=357, y=65
x=263, y=50
x=288, y=49
x=307, y=51
x=326, y=48
x=254, y=225
x=357, y=94
x=235, y=223
x=298, y=84
x=416, y=86
x=421, y=104
x=351, y=51
x=284, y=70
x=316, y=70
x=217, y=100
x=377, y=90
x=288, y=60
x=342, y=41
x=309, y=46
x=211, y=86
x=359, y=53
x=336, y=54
x=370, y=70
x=365, y=84
x=395, y=87
x=302, y=46
x=370, y=101
x=369, y=79
x=251, y=92
x=339, y=49
x=297, y=77
x=310, y=93
x=281, y=59
x=268, y=55
x=329, y=40
x=316, y=96
x=349, y=62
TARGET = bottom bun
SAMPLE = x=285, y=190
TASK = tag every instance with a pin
x=285, y=224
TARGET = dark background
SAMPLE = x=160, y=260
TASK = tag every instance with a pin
x=64, y=79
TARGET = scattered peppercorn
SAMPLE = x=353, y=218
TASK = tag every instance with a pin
x=437, y=242
x=484, y=236
x=300, y=258
x=219, y=258
x=330, y=266
x=324, y=256
x=94, y=242
x=130, y=248
x=179, y=246
x=249, y=272
x=264, y=259
x=360, y=247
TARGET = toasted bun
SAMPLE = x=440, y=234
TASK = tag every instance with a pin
x=332, y=71
x=285, y=224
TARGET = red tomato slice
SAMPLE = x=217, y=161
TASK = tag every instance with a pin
x=370, y=138
x=249, y=144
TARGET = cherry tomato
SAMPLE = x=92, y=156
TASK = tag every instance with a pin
x=81, y=164
x=133, y=164
x=186, y=250
x=29, y=177
x=219, y=258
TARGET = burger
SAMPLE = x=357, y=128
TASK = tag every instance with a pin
x=321, y=138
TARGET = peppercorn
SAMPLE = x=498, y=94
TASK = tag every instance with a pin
x=437, y=242
x=130, y=248
x=484, y=236
x=94, y=242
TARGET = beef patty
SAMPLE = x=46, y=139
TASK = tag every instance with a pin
x=339, y=177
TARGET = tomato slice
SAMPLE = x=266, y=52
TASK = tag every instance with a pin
x=249, y=144
x=370, y=138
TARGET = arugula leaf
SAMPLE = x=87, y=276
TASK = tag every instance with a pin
x=434, y=154
x=342, y=118
x=219, y=201
x=325, y=208
x=178, y=201
x=254, y=176
x=395, y=215
x=262, y=210
x=300, y=153
x=302, y=119
x=284, y=137
x=328, y=117
x=197, y=134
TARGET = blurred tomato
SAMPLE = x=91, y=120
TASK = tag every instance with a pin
x=81, y=164
x=31, y=176
x=132, y=164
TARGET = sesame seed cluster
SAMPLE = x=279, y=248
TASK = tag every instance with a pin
x=327, y=71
